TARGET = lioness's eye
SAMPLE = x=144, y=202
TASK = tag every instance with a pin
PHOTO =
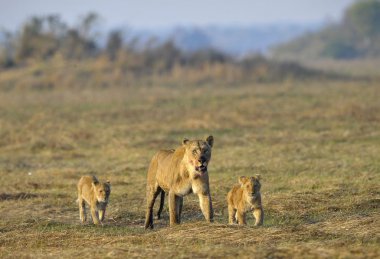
x=194, y=152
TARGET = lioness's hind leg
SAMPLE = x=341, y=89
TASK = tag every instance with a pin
x=179, y=205
x=152, y=194
x=162, y=201
x=241, y=218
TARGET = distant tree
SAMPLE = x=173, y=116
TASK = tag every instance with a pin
x=6, y=49
x=29, y=34
x=75, y=46
x=340, y=50
x=163, y=57
x=40, y=37
x=114, y=44
x=364, y=18
x=357, y=36
x=56, y=26
x=80, y=42
x=87, y=25
x=208, y=55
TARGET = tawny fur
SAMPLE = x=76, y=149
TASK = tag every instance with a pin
x=243, y=198
x=178, y=173
x=96, y=195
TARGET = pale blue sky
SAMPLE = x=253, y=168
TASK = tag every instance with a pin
x=165, y=13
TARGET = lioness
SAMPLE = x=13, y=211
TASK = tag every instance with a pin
x=180, y=172
x=244, y=198
x=96, y=194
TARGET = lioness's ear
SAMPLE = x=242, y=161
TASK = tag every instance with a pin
x=242, y=179
x=210, y=140
x=94, y=180
x=185, y=141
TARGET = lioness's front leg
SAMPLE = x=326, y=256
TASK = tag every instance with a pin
x=94, y=214
x=173, y=209
x=258, y=213
x=206, y=206
x=162, y=201
x=231, y=214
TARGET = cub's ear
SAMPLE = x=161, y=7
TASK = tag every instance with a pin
x=210, y=140
x=185, y=141
x=108, y=181
x=258, y=177
x=242, y=179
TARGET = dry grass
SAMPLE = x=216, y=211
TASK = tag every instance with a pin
x=317, y=147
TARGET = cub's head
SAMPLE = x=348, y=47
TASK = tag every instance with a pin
x=102, y=190
x=251, y=187
x=198, y=154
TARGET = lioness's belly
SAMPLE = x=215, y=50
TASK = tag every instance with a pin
x=168, y=175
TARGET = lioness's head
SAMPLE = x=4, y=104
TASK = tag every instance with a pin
x=102, y=190
x=198, y=154
x=251, y=187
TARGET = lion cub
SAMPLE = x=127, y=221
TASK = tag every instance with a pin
x=96, y=194
x=244, y=198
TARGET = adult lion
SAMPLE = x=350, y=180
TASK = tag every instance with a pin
x=180, y=172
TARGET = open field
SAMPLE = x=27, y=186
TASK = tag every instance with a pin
x=316, y=145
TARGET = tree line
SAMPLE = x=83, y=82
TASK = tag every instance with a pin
x=357, y=35
x=43, y=37
x=49, y=38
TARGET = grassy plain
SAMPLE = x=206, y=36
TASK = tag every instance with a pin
x=316, y=145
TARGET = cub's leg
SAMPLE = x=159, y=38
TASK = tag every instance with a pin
x=180, y=207
x=82, y=205
x=151, y=195
x=206, y=206
x=258, y=213
x=102, y=214
x=162, y=200
x=173, y=208
x=241, y=218
x=179, y=204
x=231, y=214
x=82, y=209
x=94, y=214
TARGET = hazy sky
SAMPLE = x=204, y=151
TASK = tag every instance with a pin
x=164, y=13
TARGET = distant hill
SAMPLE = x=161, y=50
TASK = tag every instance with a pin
x=233, y=40
x=356, y=36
